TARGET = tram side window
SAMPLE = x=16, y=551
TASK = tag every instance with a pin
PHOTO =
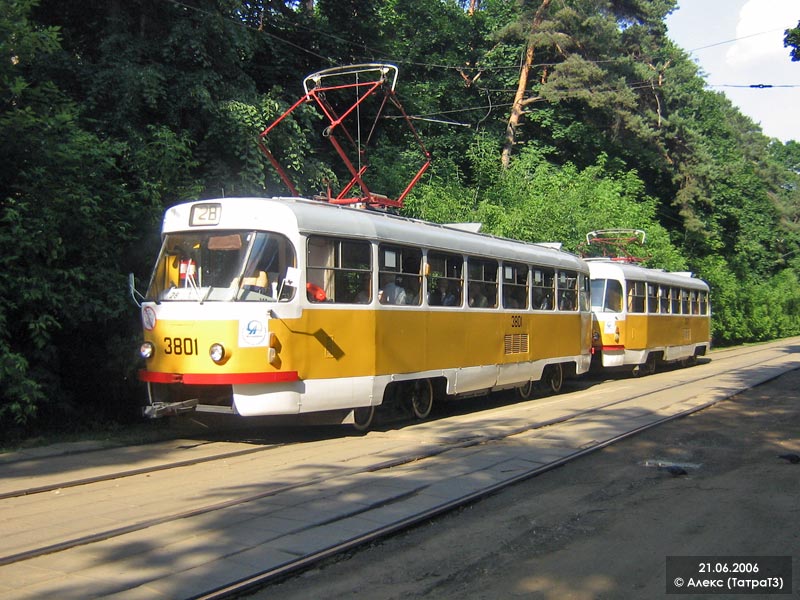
x=652, y=298
x=515, y=286
x=664, y=299
x=339, y=270
x=636, y=296
x=676, y=301
x=685, y=302
x=567, y=290
x=445, y=284
x=543, y=288
x=482, y=283
x=703, y=303
x=400, y=275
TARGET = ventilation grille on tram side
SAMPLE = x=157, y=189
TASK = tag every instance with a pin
x=516, y=343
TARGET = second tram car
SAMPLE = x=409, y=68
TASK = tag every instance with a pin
x=286, y=306
x=646, y=316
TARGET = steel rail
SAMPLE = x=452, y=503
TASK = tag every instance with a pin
x=132, y=472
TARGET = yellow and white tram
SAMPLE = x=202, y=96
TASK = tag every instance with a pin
x=645, y=316
x=286, y=306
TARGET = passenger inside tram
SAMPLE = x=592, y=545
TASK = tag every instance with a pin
x=392, y=291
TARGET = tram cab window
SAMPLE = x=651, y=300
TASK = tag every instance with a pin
x=481, y=283
x=652, y=298
x=268, y=258
x=584, y=293
x=543, y=289
x=567, y=290
x=515, y=286
x=685, y=309
x=703, y=303
x=400, y=275
x=215, y=265
x=607, y=295
x=636, y=296
x=445, y=283
x=339, y=270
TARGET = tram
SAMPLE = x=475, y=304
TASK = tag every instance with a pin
x=643, y=316
x=289, y=306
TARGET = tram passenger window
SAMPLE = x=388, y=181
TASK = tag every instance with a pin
x=515, y=286
x=482, y=283
x=339, y=270
x=664, y=298
x=685, y=302
x=636, y=296
x=693, y=304
x=445, y=284
x=703, y=303
x=543, y=288
x=567, y=290
x=652, y=298
x=400, y=275
x=676, y=301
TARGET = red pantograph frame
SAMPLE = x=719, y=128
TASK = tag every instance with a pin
x=384, y=79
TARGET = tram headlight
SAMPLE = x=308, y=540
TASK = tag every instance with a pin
x=217, y=353
x=146, y=350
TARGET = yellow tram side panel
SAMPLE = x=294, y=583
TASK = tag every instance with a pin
x=639, y=332
x=325, y=343
x=353, y=343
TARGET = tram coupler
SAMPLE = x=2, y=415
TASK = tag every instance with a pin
x=156, y=410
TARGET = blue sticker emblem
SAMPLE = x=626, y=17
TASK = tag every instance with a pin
x=254, y=332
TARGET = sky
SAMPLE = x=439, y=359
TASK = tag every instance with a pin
x=740, y=43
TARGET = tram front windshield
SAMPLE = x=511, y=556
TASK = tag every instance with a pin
x=199, y=266
x=606, y=295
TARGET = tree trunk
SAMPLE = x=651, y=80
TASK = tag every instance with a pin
x=522, y=85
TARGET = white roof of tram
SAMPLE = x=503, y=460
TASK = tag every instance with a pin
x=309, y=216
x=604, y=268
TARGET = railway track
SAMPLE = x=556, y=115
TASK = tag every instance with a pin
x=24, y=469
x=240, y=519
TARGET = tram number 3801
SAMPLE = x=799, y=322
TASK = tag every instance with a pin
x=180, y=346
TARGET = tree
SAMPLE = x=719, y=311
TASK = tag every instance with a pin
x=62, y=207
x=520, y=101
x=792, y=40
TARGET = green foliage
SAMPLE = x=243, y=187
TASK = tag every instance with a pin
x=792, y=40
x=536, y=200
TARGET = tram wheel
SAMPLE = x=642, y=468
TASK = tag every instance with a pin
x=421, y=397
x=553, y=378
x=525, y=392
x=362, y=417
